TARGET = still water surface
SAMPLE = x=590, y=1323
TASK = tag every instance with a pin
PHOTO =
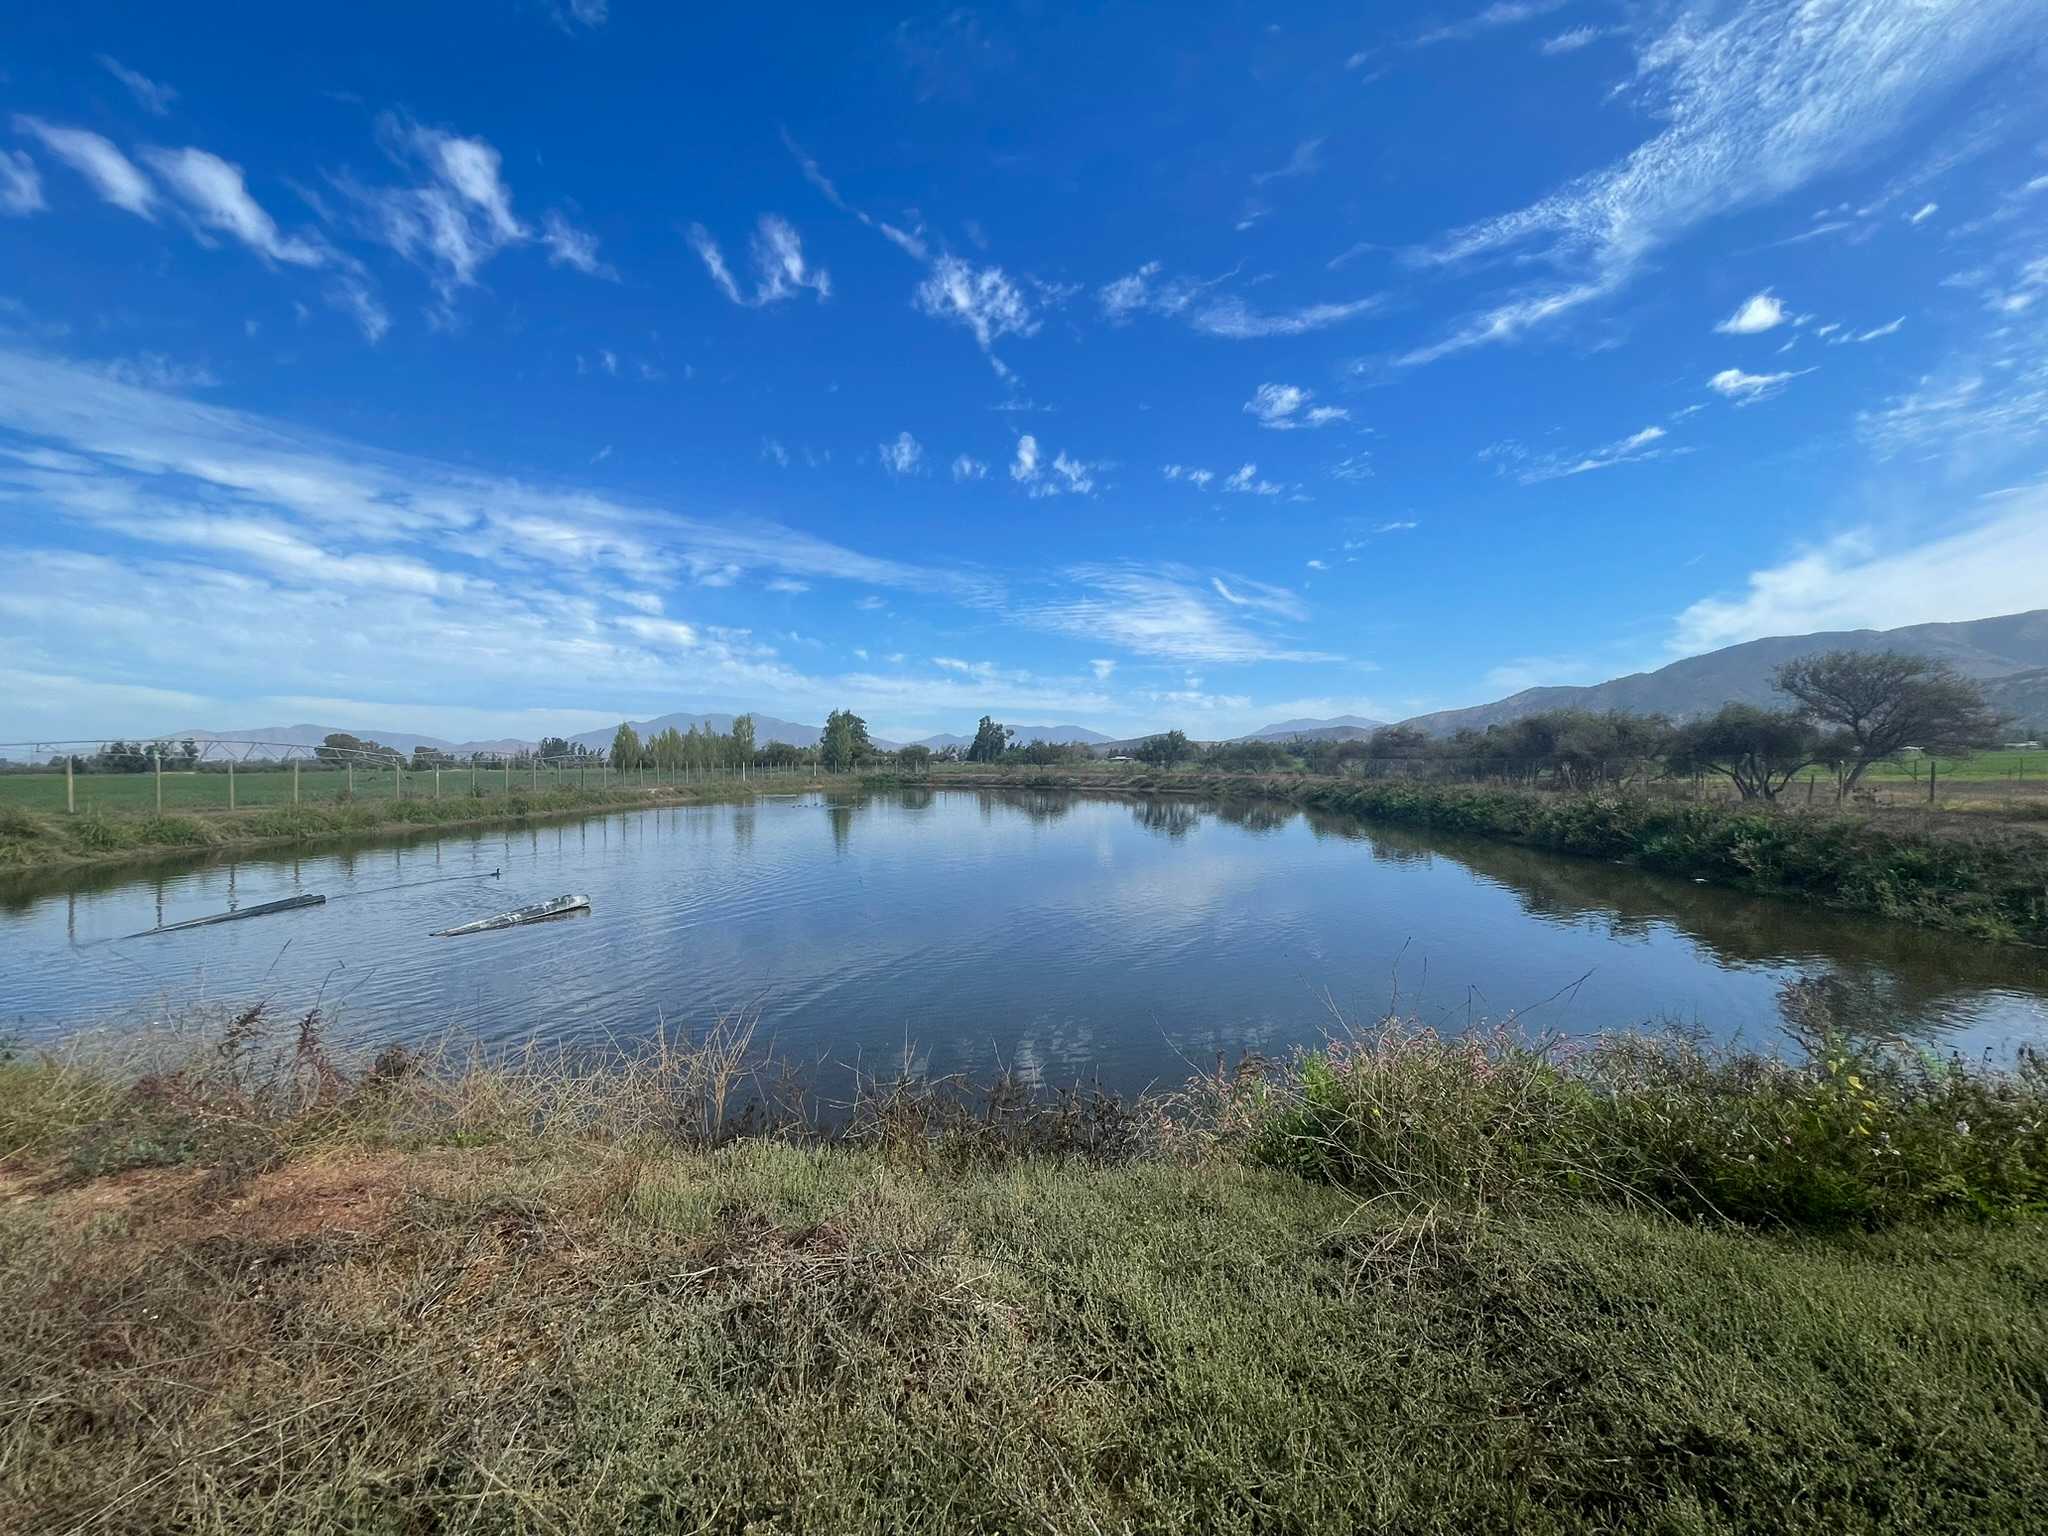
x=1063, y=934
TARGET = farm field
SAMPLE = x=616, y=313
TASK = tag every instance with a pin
x=270, y=785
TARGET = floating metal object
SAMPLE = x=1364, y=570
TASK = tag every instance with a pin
x=538, y=912
x=261, y=909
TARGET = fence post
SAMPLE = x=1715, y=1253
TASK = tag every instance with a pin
x=159, y=783
x=231, y=783
x=437, y=783
x=70, y=789
x=536, y=773
x=397, y=780
x=295, y=781
x=508, y=775
x=350, y=768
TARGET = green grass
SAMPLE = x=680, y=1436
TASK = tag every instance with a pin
x=1978, y=767
x=120, y=793
x=32, y=840
x=246, y=1288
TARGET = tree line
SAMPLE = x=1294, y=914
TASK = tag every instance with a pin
x=1843, y=711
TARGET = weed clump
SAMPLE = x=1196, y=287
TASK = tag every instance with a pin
x=1853, y=1135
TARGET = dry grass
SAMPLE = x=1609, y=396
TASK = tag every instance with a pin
x=246, y=1287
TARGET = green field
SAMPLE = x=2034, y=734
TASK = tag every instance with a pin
x=270, y=785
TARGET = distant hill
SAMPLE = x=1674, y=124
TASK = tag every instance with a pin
x=1336, y=728
x=1022, y=735
x=313, y=735
x=766, y=729
x=2008, y=655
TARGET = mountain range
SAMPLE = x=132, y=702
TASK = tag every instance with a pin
x=2007, y=656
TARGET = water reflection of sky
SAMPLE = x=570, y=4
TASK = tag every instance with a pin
x=1057, y=934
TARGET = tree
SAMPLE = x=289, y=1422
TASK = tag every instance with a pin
x=625, y=748
x=1165, y=751
x=845, y=741
x=1249, y=757
x=1759, y=751
x=554, y=747
x=990, y=740
x=742, y=740
x=914, y=759
x=339, y=747
x=1886, y=700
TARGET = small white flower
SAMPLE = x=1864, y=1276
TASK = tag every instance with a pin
x=1962, y=1127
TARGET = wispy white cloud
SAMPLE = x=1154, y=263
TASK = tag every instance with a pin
x=1231, y=317
x=1982, y=408
x=1571, y=41
x=150, y=95
x=1170, y=612
x=21, y=188
x=568, y=246
x=1854, y=581
x=153, y=370
x=1759, y=313
x=1245, y=481
x=779, y=267
x=1283, y=407
x=911, y=241
x=1875, y=333
x=904, y=456
x=1102, y=666
x=153, y=457
x=967, y=467
x=1063, y=476
x=459, y=215
x=1748, y=388
x=1503, y=13
x=1147, y=290
x=1757, y=100
x=983, y=300
x=1305, y=161
x=215, y=196
x=1923, y=213
x=1397, y=527
x=1637, y=446
x=1260, y=595
x=112, y=174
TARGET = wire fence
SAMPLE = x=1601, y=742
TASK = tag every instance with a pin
x=116, y=774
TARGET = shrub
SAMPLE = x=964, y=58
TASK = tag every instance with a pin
x=1855, y=1135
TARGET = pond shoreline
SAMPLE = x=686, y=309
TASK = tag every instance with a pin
x=38, y=844
x=418, y=1283
x=1987, y=884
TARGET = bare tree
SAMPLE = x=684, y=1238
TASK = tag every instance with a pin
x=1884, y=701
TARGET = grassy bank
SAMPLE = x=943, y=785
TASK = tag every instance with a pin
x=32, y=841
x=1980, y=882
x=1402, y=1285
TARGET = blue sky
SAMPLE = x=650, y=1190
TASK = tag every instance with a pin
x=480, y=369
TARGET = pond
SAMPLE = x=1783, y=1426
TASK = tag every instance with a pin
x=1065, y=935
